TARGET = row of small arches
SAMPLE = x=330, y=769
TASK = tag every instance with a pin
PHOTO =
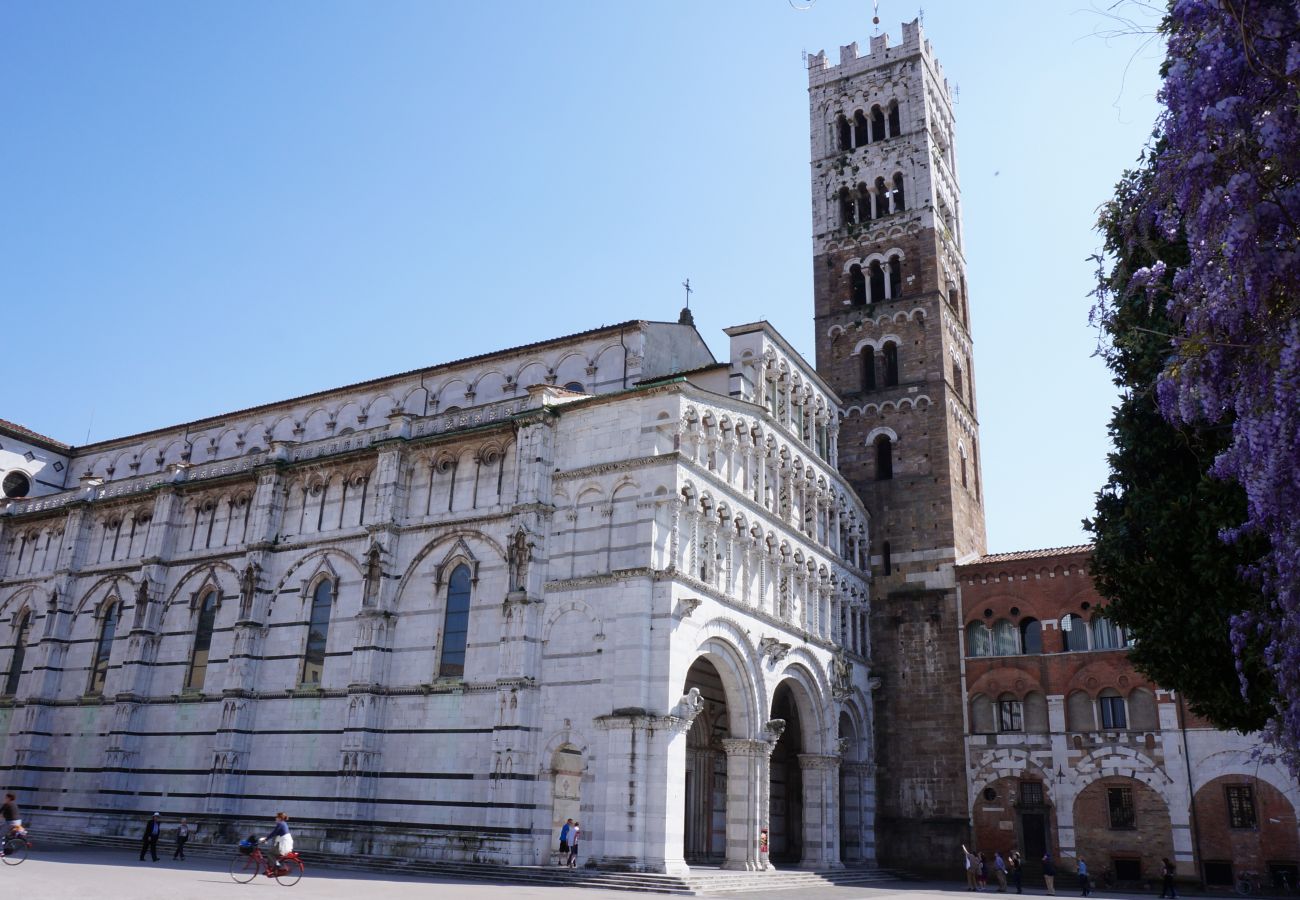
x=1005, y=638
x=862, y=128
x=1108, y=710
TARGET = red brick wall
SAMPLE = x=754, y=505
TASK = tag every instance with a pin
x=1151, y=840
x=1248, y=849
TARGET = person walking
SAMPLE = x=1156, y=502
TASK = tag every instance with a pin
x=1017, y=871
x=983, y=872
x=573, y=845
x=1049, y=874
x=182, y=835
x=149, y=840
x=972, y=869
x=1000, y=871
x=1084, y=888
x=565, y=831
x=1167, y=879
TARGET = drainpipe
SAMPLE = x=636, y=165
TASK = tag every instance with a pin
x=1191, y=794
x=624, y=346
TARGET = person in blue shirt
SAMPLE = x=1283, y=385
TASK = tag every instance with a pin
x=280, y=839
x=1084, y=889
x=565, y=831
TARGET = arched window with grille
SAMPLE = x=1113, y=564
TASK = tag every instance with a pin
x=979, y=640
x=22, y=629
x=104, y=647
x=455, y=628
x=207, y=618
x=318, y=629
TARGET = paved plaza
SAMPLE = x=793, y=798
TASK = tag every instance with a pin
x=55, y=871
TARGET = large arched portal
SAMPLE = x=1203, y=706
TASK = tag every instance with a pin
x=705, y=828
x=785, y=809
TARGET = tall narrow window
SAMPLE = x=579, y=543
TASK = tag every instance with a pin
x=21, y=631
x=455, y=630
x=899, y=203
x=1031, y=635
x=857, y=285
x=104, y=648
x=1010, y=714
x=1241, y=806
x=1074, y=632
x=868, y=369
x=895, y=277
x=860, y=136
x=882, y=198
x=202, y=641
x=884, y=459
x=890, y=352
x=1111, y=705
x=877, y=275
x=956, y=378
x=845, y=133
x=848, y=209
x=318, y=629
x=887, y=558
x=877, y=124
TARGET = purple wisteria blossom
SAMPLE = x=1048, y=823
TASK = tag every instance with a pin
x=1229, y=175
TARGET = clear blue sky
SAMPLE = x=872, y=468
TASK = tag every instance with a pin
x=206, y=206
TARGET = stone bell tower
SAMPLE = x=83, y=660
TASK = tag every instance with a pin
x=893, y=339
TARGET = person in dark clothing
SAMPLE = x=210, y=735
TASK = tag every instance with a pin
x=10, y=813
x=281, y=840
x=149, y=842
x=182, y=835
x=1049, y=874
x=1017, y=871
x=1167, y=879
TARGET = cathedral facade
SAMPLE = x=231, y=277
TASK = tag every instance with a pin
x=604, y=577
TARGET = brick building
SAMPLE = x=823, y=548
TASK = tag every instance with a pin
x=1073, y=751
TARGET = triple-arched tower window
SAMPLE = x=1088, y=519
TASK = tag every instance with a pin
x=864, y=128
x=866, y=203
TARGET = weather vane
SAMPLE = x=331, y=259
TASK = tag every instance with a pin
x=689, y=290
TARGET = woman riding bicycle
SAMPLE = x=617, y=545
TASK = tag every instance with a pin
x=280, y=839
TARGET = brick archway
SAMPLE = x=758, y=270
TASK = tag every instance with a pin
x=1246, y=825
x=1103, y=839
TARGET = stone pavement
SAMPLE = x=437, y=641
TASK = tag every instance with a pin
x=53, y=872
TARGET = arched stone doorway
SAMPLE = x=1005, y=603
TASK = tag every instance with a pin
x=705, y=826
x=567, y=766
x=785, y=808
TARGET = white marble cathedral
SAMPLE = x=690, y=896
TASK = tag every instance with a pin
x=603, y=577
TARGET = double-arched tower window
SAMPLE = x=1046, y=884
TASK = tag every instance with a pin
x=104, y=646
x=455, y=626
x=207, y=619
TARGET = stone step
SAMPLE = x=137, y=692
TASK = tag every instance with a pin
x=710, y=881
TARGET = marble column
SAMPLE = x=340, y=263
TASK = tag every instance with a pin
x=747, y=787
x=821, y=807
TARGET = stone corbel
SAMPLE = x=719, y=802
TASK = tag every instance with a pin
x=773, y=649
x=689, y=605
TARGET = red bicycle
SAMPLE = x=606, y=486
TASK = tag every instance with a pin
x=250, y=860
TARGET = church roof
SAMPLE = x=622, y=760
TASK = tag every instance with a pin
x=1023, y=555
x=26, y=434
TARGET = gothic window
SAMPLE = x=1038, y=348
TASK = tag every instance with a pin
x=899, y=205
x=868, y=369
x=882, y=198
x=455, y=628
x=202, y=641
x=1010, y=714
x=1241, y=806
x=1006, y=642
x=895, y=126
x=890, y=353
x=318, y=627
x=860, y=135
x=1074, y=632
x=845, y=132
x=877, y=277
x=979, y=640
x=857, y=285
x=895, y=277
x=848, y=209
x=1119, y=802
x=877, y=124
x=104, y=647
x=1031, y=636
x=1111, y=706
x=21, y=631
x=1106, y=635
x=884, y=458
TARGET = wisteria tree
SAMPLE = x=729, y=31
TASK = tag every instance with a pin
x=1226, y=177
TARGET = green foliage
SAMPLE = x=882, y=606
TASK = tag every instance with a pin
x=1159, y=558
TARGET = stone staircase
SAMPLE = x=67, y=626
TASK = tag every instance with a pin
x=701, y=881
